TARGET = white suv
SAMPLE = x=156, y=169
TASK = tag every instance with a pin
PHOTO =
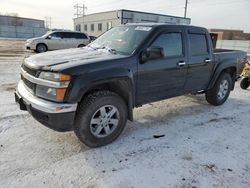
x=55, y=40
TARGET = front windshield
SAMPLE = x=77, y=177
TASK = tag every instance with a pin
x=47, y=33
x=123, y=39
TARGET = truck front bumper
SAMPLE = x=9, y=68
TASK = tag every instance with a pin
x=57, y=116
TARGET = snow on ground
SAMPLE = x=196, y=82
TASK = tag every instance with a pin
x=203, y=146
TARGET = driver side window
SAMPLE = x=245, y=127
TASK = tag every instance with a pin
x=56, y=35
x=171, y=43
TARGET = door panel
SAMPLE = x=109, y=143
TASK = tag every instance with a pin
x=55, y=42
x=200, y=63
x=163, y=78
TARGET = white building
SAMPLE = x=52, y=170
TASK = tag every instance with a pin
x=97, y=23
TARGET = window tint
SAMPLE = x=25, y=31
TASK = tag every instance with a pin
x=56, y=35
x=68, y=35
x=71, y=35
x=171, y=43
x=198, y=44
x=99, y=27
x=92, y=27
x=80, y=36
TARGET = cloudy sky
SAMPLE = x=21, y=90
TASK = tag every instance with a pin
x=227, y=14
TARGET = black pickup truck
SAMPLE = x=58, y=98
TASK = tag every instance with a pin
x=93, y=90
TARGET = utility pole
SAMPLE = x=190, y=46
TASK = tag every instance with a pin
x=48, y=22
x=80, y=10
x=185, y=13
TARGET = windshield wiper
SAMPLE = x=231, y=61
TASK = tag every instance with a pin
x=92, y=47
x=113, y=51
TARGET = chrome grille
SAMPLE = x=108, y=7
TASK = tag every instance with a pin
x=32, y=72
x=30, y=86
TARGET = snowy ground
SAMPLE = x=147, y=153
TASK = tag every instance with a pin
x=203, y=146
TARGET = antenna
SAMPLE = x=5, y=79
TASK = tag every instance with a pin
x=80, y=10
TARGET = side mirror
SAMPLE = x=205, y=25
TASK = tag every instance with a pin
x=48, y=37
x=151, y=53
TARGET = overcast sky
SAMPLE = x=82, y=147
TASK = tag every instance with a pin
x=226, y=14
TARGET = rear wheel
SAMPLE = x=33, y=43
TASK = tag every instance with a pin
x=244, y=83
x=81, y=45
x=100, y=118
x=221, y=90
x=40, y=48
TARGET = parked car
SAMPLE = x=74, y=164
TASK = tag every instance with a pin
x=56, y=40
x=93, y=90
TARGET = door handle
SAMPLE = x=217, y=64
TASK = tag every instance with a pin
x=207, y=60
x=181, y=63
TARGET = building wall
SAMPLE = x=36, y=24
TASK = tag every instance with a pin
x=115, y=18
x=105, y=19
x=227, y=34
x=17, y=27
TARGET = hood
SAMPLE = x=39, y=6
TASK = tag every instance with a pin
x=68, y=58
x=32, y=39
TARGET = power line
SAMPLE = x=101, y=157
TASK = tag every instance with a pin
x=48, y=22
x=80, y=10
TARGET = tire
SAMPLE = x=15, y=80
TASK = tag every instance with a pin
x=244, y=83
x=40, y=48
x=81, y=45
x=221, y=90
x=91, y=128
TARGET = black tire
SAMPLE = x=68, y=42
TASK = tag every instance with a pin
x=81, y=45
x=244, y=83
x=213, y=96
x=86, y=111
x=40, y=48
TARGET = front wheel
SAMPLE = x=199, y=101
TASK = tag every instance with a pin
x=244, y=83
x=221, y=90
x=41, y=48
x=100, y=118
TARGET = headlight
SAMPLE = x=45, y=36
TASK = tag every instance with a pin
x=56, y=77
x=50, y=92
x=54, y=94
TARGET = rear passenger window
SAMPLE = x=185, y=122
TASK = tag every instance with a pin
x=68, y=35
x=81, y=36
x=198, y=44
x=171, y=43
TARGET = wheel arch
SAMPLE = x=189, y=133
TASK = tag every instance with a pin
x=122, y=87
x=231, y=70
x=42, y=44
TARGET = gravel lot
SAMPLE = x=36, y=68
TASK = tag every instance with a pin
x=203, y=146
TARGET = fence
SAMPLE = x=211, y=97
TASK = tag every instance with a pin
x=21, y=31
x=243, y=45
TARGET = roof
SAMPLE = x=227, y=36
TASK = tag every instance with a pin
x=134, y=12
x=154, y=14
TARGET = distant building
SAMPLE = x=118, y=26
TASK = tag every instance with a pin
x=18, y=27
x=97, y=23
x=228, y=34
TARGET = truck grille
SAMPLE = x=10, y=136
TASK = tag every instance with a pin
x=30, y=71
x=29, y=85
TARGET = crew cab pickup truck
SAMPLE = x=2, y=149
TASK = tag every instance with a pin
x=93, y=90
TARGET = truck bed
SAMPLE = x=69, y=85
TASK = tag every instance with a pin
x=235, y=56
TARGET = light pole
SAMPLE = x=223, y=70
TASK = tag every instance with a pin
x=185, y=13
